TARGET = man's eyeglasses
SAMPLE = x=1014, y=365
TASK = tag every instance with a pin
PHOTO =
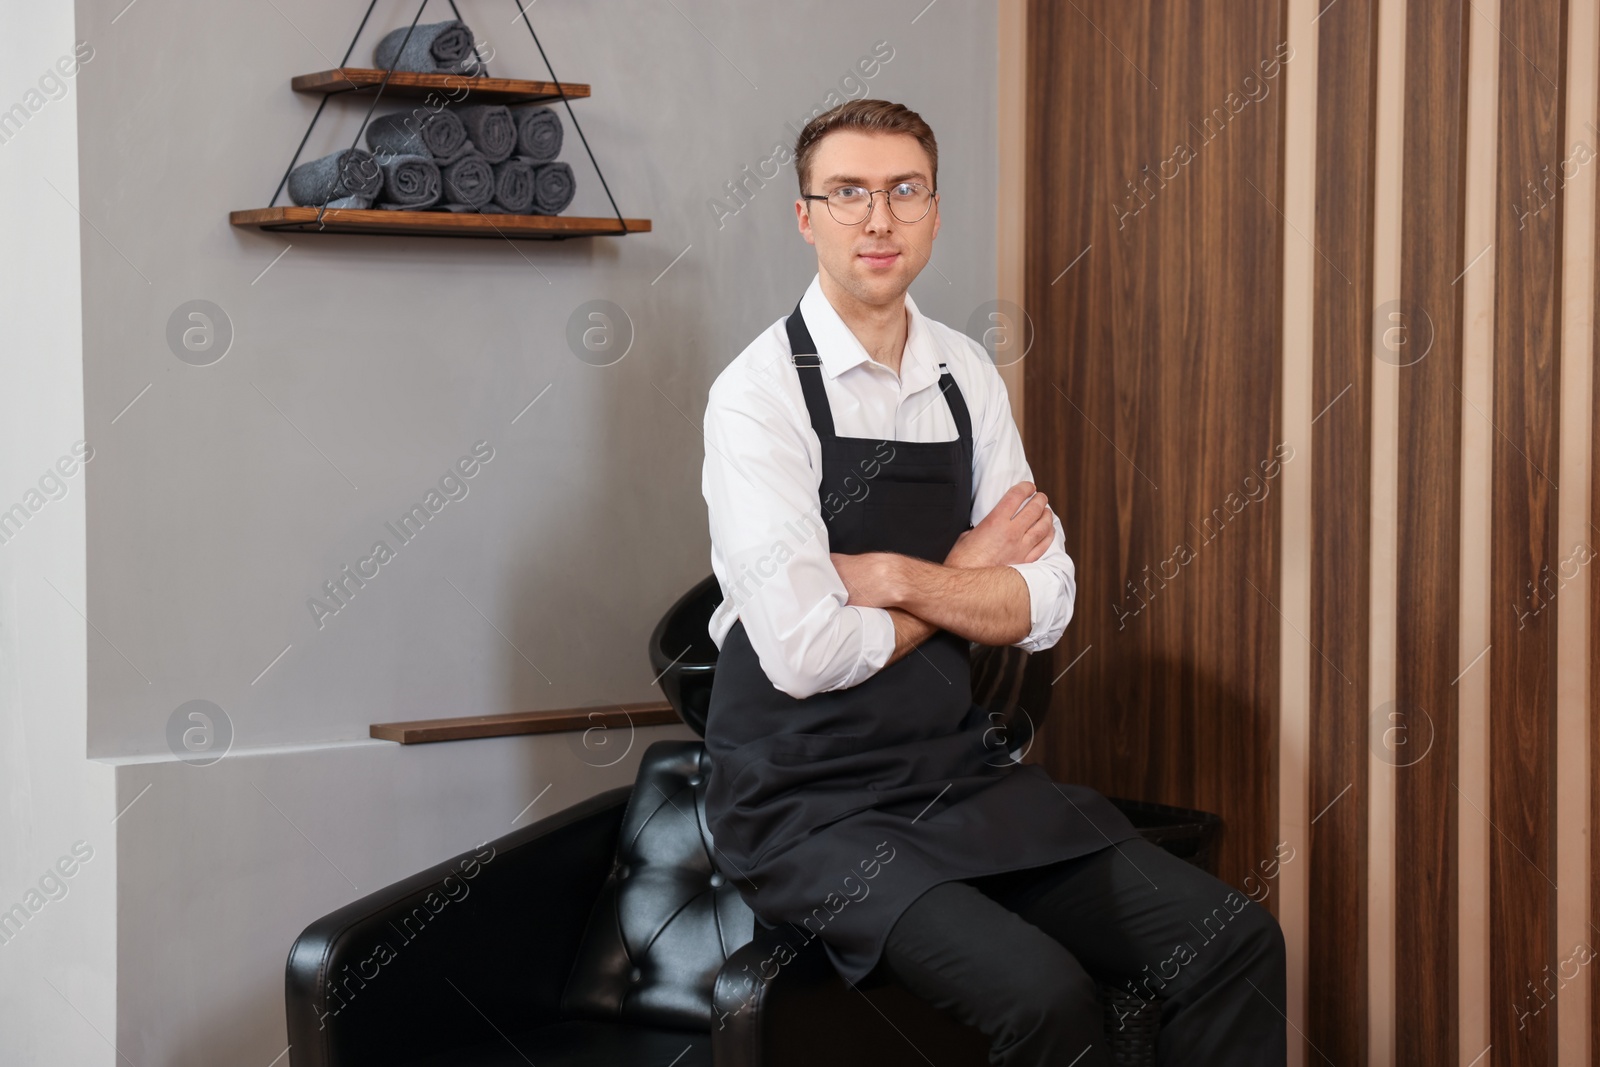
x=851, y=204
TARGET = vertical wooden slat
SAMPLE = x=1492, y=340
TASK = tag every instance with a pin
x=1574, y=773
x=1011, y=229
x=1295, y=653
x=1341, y=511
x=1152, y=396
x=1525, y=416
x=1475, y=656
x=1594, y=677
x=1429, y=535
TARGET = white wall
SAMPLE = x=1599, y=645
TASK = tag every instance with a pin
x=360, y=369
x=57, y=952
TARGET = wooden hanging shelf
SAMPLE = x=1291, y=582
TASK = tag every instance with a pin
x=377, y=221
x=413, y=84
x=343, y=80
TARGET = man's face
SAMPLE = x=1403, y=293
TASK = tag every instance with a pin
x=876, y=260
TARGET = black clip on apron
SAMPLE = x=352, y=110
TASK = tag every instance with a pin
x=834, y=813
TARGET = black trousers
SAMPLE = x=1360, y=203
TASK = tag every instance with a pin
x=1013, y=954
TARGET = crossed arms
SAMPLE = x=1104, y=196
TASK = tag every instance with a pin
x=974, y=593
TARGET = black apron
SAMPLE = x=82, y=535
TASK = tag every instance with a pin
x=835, y=812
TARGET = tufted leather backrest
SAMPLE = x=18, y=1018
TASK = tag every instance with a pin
x=665, y=920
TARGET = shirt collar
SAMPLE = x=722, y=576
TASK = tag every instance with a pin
x=839, y=349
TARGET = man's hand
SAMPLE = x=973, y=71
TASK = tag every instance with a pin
x=1017, y=530
x=979, y=597
x=1007, y=534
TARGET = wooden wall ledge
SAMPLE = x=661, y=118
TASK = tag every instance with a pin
x=611, y=716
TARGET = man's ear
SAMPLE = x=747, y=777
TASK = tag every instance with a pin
x=803, y=220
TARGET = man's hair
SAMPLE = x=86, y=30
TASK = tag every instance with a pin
x=873, y=116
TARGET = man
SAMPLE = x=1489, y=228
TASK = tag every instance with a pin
x=857, y=793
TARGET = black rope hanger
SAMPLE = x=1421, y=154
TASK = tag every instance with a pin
x=560, y=89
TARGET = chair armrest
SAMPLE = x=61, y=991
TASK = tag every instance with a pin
x=779, y=1002
x=775, y=976
x=417, y=966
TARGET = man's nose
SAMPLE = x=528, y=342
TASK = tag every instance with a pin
x=875, y=220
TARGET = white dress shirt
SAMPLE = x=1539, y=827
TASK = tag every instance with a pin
x=763, y=470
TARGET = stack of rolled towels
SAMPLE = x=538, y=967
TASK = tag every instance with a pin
x=487, y=158
x=472, y=157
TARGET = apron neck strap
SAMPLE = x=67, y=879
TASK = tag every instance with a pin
x=808, y=364
x=803, y=353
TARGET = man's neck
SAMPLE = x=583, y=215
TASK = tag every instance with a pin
x=881, y=329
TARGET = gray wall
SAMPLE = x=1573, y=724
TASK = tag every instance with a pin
x=360, y=369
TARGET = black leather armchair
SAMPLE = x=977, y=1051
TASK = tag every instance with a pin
x=603, y=935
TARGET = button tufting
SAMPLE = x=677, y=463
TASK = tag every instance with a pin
x=695, y=780
x=635, y=974
x=716, y=878
x=623, y=871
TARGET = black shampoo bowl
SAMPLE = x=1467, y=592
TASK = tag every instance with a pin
x=683, y=655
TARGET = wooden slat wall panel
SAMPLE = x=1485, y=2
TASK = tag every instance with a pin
x=1525, y=416
x=1428, y=551
x=1152, y=391
x=1341, y=521
x=1152, y=394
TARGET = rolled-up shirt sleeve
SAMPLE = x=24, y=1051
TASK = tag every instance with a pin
x=999, y=463
x=766, y=525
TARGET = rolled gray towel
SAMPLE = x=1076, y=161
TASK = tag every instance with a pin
x=347, y=172
x=436, y=48
x=469, y=180
x=438, y=134
x=362, y=202
x=410, y=183
x=539, y=133
x=513, y=186
x=398, y=134
x=553, y=188
x=490, y=128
